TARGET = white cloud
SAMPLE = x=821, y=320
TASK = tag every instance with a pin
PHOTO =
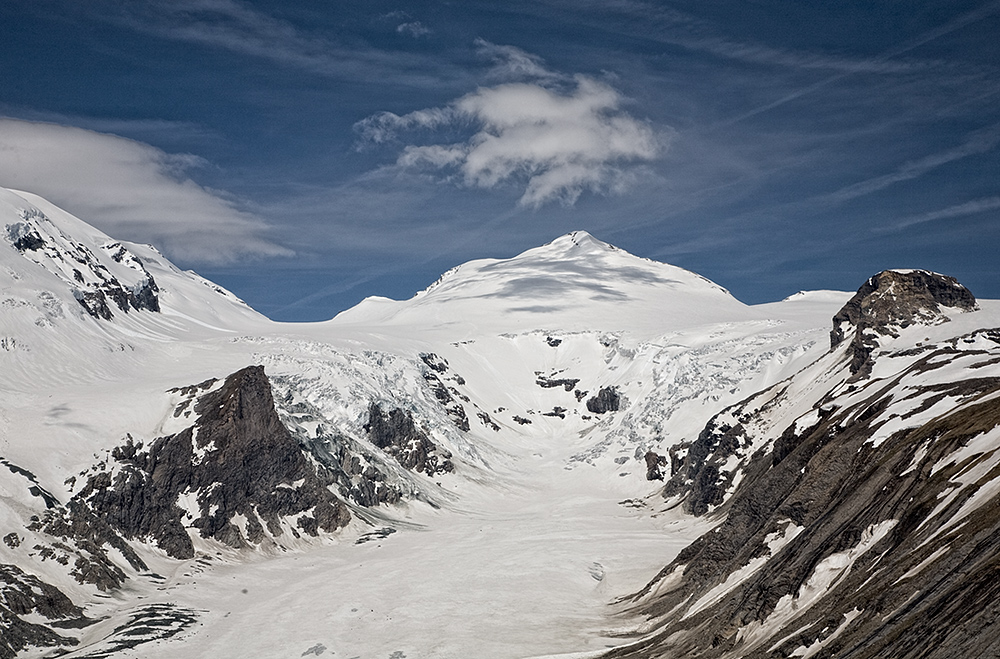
x=130, y=190
x=556, y=136
x=512, y=63
x=384, y=126
x=415, y=29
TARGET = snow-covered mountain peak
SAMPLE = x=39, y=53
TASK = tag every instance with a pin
x=574, y=282
x=577, y=242
x=76, y=300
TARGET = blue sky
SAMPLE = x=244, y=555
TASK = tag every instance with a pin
x=306, y=154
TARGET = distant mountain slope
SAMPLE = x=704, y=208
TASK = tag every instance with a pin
x=71, y=297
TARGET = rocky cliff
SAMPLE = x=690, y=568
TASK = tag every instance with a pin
x=893, y=300
x=236, y=475
x=858, y=516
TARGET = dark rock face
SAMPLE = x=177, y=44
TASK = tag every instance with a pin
x=868, y=547
x=29, y=242
x=360, y=480
x=23, y=594
x=95, y=300
x=698, y=475
x=892, y=300
x=397, y=434
x=446, y=395
x=94, y=286
x=653, y=463
x=237, y=460
x=606, y=400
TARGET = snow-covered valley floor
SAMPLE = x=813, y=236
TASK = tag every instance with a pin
x=524, y=569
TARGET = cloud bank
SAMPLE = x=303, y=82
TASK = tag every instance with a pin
x=131, y=191
x=555, y=136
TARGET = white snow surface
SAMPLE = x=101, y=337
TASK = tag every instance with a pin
x=541, y=526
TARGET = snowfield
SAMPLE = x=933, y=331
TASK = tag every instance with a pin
x=523, y=551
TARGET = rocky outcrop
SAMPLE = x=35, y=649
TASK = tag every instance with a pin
x=86, y=540
x=653, y=463
x=890, y=301
x=70, y=535
x=23, y=594
x=867, y=527
x=435, y=377
x=236, y=476
x=98, y=290
x=606, y=400
x=397, y=435
x=46, y=543
x=552, y=382
x=698, y=474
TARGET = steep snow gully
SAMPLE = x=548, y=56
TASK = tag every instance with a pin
x=574, y=452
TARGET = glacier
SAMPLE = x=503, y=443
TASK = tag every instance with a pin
x=543, y=537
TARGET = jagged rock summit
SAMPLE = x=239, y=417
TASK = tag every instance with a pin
x=891, y=301
x=575, y=282
x=236, y=476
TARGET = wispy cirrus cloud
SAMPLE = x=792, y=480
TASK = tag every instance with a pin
x=555, y=135
x=973, y=207
x=238, y=27
x=664, y=24
x=980, y=141
x=132, y=191
x=513, y=63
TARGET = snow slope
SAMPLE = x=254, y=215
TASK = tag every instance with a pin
x=574, y=283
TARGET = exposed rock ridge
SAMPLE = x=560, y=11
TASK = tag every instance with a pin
x=890, y=301
x=93, y=284
x=869, y=527
x=236, y=475
x=55, y=541
x=397, y=434
x=435, y=378
x=697, y=469
x=24, y=594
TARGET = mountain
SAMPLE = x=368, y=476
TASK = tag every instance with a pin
x=856, y=501
x=564, y=285
x=482, y=469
